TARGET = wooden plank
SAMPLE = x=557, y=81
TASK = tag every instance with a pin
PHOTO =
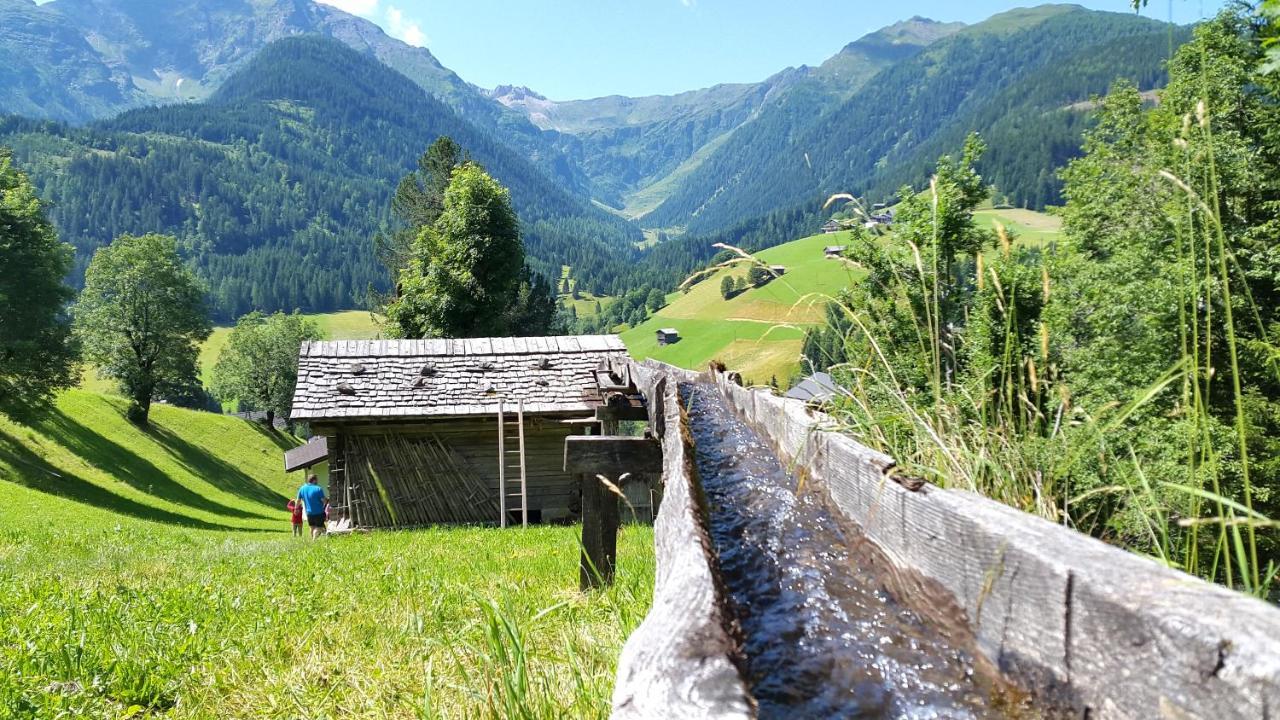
x=617, y=414
x=1113, y=634
x=611, y=455
x=502, y=471
x=679, y=663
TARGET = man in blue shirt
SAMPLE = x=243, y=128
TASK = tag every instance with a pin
x=311, y=495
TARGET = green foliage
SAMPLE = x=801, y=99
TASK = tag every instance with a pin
x=1122, y=381
x=141, y=318
x=417, y=203
x=468, y=277
x=656, y=300
x=37, y=355
x=276, y=183
x=258, y=367
x=1013, y=82
x=727, y=287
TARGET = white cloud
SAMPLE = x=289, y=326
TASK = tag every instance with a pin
x=363, y=8
x=399, y=26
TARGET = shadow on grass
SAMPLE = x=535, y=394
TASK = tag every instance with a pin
x=128, y=467
x=216, y=471
x=36, y=473
x=282, y=440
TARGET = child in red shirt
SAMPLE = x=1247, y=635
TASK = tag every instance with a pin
x=295, y=508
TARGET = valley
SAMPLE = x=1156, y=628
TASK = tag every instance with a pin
x=952, y=289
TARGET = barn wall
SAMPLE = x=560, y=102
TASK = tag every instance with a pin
x=447, y=471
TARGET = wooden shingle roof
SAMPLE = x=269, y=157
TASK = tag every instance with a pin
x=382, y=379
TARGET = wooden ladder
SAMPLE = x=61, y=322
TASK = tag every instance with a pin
x=504, y=464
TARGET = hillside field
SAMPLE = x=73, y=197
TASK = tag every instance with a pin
x=759, y=332
x=347, y=325
x=152, y=573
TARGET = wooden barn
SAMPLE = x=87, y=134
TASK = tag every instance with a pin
x=452, y=431
x=668, y=336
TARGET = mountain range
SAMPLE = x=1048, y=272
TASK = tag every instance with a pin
x=197, y=105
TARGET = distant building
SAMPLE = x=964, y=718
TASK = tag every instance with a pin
x=668, y=336
x=833, y=251
x=816, y=389
x=832, y=226
x=778, y=269
x=423, y=432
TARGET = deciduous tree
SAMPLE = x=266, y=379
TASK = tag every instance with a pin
x=468, y=268
x=258, y=367
x=37, y=354
x=142, y=318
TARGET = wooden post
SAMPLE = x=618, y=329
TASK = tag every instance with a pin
x=599, y=526
x=502, y=471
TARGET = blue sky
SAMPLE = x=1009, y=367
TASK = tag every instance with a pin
x=569, y=49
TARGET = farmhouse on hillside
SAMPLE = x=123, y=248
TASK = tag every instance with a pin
x=668, y=336
x=832, y=226
x=833, y=251
x=452, y=431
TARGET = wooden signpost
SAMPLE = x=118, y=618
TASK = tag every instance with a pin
x=591, y=456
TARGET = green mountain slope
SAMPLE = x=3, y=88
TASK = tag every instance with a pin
x=636, y=150
x=276, y=183
x=153, y=574
x=79, y=60
x=1007, y=76
x=759, y=332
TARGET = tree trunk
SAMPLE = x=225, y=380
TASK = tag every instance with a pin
x=271, y=419
x=139, y=412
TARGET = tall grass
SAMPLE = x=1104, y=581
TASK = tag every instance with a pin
x=1011, y=428
x=446, y=623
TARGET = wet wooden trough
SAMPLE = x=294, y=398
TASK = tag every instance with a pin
x=1091, y=629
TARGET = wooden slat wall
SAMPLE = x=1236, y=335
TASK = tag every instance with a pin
x=394, y=464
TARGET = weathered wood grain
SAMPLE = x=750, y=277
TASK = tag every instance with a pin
x=1112, y=634
x=611, y=455
x=680, y=662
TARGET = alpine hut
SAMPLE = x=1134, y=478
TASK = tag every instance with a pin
x=452, y=430
x=668, y=336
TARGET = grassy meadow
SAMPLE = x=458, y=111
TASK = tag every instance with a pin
x=346, y=325
x=759, y=332
x=153, y=573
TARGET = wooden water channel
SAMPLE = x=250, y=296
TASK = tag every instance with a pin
x=1089, y=630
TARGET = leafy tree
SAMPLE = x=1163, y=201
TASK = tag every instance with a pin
x=727, y=287
x=258, y=367
x=418, y=202
x=656, y=300
x=757, y=276
x=37, y=352
x=468, y=277
x=141, y=318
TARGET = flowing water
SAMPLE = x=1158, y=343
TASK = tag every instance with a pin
x=822, y=637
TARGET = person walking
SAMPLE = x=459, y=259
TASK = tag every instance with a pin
x=295, y=517
x=311, y=495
